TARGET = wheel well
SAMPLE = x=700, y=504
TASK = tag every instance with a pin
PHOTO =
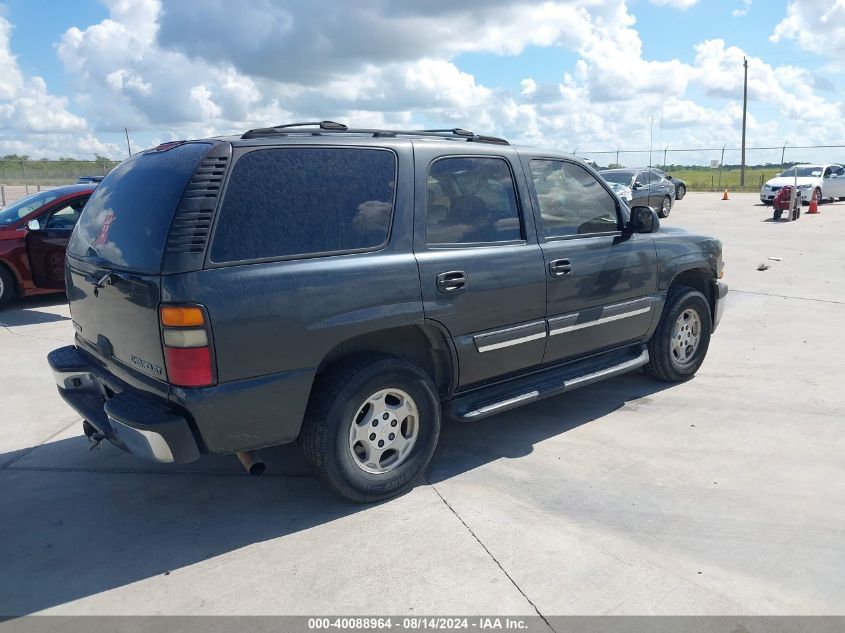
x=424, y=345
x=15, y=284
x=698, y=279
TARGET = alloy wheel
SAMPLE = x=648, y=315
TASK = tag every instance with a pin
x=383, y=431
x=686, y=335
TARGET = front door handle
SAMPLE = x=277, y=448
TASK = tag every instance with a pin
x=452, y=281
x=560, y=268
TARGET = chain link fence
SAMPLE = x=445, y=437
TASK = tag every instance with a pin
x=718, y=168
x=703, y=169
x=20, y=177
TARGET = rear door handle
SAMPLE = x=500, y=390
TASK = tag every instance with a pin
x=452, y=281
x=560, y=267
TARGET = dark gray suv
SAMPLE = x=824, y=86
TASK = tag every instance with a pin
x=346, y=288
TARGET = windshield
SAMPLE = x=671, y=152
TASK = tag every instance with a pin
x=803, y=171
x=622, y=177
x=25, y=206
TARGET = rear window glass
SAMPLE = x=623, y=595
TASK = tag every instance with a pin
x=471, y=200
x=305, y=201
x=126, y=221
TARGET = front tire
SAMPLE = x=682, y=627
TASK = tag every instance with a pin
x=7, y=287
x=679, y=345
x=665, y=207
x=680, y=192
x=371, y=427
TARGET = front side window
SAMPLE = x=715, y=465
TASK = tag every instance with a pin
x=302, y=201
x=67, y=216
x=471, y=200
x=571, y=200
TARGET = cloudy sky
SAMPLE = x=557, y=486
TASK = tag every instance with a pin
x=573, y=74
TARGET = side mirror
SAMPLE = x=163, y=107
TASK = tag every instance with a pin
x=33, y=225
x=637, y=185
x=643, y=220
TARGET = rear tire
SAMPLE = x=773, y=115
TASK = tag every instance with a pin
x=665, y=207
x=679, y=345
x=350, y=420
x=7, y=287
x=680, y=192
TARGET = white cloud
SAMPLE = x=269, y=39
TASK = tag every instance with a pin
x=166, y=70
x=32, y=120
x=676, y=4
x=743, y=10
x=817, y=26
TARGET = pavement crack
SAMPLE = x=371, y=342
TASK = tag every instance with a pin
x=40, y=338
x=772, y=294
x=490, y=554
x=29, y=450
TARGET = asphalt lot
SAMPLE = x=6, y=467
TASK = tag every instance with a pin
x=723, y=495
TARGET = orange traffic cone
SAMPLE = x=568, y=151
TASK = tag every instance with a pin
x=814, y=205
x=725, y=195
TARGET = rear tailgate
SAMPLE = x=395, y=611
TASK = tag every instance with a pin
x=114, y=259
x=115, y=315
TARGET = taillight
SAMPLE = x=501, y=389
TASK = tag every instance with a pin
x=186, y=337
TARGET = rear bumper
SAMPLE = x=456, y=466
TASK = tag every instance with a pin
x=127, y=417
x=720, y=293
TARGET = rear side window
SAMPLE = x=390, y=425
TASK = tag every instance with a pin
x=305, y=201
x=471, y=200
x=126, y=221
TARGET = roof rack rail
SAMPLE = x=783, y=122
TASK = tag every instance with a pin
x=332, y=127
x=269, y=131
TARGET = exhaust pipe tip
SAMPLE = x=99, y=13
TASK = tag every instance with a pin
x=250, y=460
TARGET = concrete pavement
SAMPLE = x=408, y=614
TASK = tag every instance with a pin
x=723, y=495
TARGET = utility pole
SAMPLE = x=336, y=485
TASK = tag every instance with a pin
x=744, y=113
x=129, y=149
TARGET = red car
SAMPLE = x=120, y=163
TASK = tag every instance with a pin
x=34, y=232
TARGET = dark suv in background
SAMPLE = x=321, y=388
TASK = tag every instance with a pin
x=644, y=186
x=346, y=288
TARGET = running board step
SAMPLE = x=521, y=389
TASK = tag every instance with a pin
x=485, y=401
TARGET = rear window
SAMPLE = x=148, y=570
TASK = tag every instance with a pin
x=302, y=201
x=126, y=221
